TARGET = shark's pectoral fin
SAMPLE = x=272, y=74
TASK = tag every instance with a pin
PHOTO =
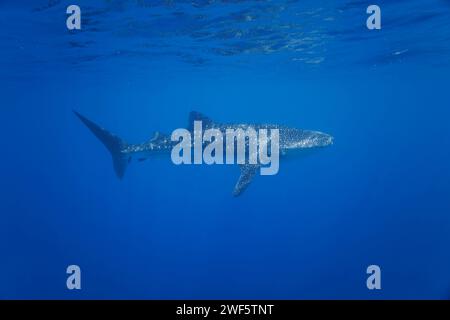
x=248, y=171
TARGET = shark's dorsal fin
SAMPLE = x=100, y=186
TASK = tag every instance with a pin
x=248, y=171
x=197, y=116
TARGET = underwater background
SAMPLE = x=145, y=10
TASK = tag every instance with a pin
x=379, y=195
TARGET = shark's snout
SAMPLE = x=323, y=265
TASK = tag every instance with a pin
x=330, y=140
x=322, y=139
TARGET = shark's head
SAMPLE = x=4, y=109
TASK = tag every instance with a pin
x=297, y=139
x=318, y=139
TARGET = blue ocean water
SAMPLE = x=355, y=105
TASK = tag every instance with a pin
x=379, y=195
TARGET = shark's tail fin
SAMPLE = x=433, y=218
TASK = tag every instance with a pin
x=113, y=143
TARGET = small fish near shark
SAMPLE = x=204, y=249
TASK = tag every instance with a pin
x=291, y=141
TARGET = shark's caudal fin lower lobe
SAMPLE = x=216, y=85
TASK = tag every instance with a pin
x=113, y=143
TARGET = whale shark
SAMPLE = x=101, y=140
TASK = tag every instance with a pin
x=291, y=141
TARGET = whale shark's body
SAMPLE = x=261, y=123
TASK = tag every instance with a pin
x=291, y=140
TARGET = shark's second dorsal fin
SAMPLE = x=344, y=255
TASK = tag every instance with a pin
x=156, y=136
x=197, y=116
x=159, y=137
